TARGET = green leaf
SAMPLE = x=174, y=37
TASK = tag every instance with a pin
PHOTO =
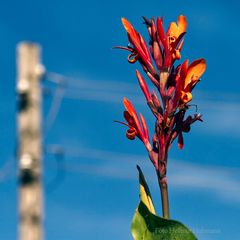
x=145, y=195
x=147, y=225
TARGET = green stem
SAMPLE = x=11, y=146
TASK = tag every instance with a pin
x=164, y=196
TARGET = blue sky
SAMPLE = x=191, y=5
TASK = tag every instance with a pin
x=96, y=191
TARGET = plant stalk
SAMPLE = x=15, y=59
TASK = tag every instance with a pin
x=164, y=196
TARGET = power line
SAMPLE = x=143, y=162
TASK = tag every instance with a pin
x=54, y=109
x=120, y=88
x=87, y=84
x=60, y=175
x=7, y=171
x=91, y=153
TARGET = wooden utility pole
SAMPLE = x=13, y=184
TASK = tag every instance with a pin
x=29, y=142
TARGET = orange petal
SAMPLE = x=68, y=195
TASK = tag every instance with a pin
x=182, y=23
x=195, y=70
x=186, y=97
x=175, y=29
x=129, y=28
x=128, y=106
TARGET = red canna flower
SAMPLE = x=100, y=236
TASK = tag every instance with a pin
x=190, y=76
x=139, y=50
x=136, y=127
x=172, y=41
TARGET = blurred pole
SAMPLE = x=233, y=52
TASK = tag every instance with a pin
x=29, y=142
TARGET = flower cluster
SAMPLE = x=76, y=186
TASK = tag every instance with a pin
x=174, y=87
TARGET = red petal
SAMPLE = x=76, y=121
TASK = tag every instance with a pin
x=129, y=28
x=145, y=48
x=161, y=33
x=131, y=133
x=180, y=140
x=153, y=79
x=157, y=55
x=145, y=128
x=128, y=118
x=143, y=86
x=133, y=35
x=133, y=113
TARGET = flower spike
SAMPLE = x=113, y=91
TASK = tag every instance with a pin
x=174, y=86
